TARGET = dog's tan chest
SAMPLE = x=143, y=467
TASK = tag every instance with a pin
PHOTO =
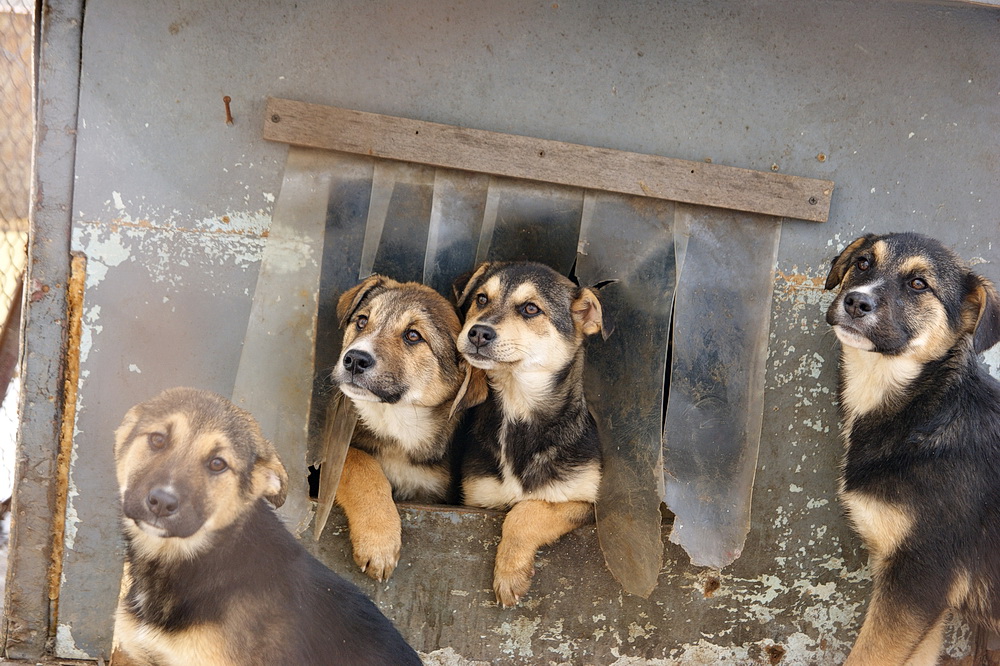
x=413, y=427
x=882, y=526
x=871, y=380
x=523, y=392
x=144, y=644
x=426, y=483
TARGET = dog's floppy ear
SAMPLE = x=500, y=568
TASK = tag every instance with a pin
x=272, y=475
x=587, y=313
x=473, y=391
x=464, y=284
x=843, y=261
x=983, y=298
x=353, y=298
x=123, y=433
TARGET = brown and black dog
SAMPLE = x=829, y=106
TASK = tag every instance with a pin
x=212, y=576
x=921, y=421
x=400, y=369
x=534, y=447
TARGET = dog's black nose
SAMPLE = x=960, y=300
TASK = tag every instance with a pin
x=162, y=502
x=481, y=335
x=858, y=304
x=357, y=361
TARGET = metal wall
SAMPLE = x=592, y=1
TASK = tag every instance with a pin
x=897, y=102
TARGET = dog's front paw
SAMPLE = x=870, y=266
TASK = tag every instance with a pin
x=510, y=582
x=376, y=549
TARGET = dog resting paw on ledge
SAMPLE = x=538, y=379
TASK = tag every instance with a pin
x=534, y=447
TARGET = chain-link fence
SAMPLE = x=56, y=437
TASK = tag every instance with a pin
x=16, y=129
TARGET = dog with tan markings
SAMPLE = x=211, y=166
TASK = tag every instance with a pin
x=534, y=447
x=212, y=576
x=400, y=369
x=921, y=421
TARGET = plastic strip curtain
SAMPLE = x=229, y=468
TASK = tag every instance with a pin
x=431, y=225
x=715, y=400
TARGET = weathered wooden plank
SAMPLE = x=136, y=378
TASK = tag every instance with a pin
x=332, y=128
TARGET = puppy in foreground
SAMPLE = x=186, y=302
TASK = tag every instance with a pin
x=534, y=447
x=400, y=369
x=212, y=576
x=921, y=421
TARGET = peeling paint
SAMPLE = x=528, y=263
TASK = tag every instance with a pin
x=66, y=646
x=518, y=636
x=88, y=330
x=162, y=240
x=72, y=518
x=448, y=657
x=103, y=252
x=991, y=357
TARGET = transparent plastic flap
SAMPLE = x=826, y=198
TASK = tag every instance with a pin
x=629, y=240
x=275, y=373
x=344, y=235
x=715, y=400
x=456, y=223
x=527, y=221
x=396, y=234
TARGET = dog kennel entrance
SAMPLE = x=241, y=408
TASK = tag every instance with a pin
x=426, y=202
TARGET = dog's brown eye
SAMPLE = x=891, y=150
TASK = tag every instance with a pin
x=361, y=322
x=412, y=336
x=863, y=264
x=530, y=310
x=918, y=284
x=481, y=299
x=157, y=440
x=217, y=465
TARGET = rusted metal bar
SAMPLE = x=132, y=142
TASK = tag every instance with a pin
x=26, y=604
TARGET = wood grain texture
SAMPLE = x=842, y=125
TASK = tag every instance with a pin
x=389, y=137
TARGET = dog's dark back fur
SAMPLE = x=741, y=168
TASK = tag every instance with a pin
x=921, y=415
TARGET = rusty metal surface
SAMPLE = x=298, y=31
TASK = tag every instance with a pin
x=441, y=599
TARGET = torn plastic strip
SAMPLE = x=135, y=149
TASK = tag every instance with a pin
x=344, y=234
x=275, y=373
x=629, y=240
x=396, y=235
x=528, y=221
x=457, y=213
x=715, y=402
